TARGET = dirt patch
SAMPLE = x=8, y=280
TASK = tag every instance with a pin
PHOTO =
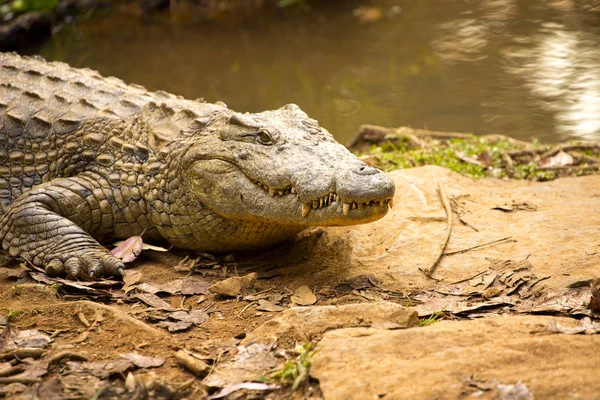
x=510, y=248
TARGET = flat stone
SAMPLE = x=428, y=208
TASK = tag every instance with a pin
x=309, y=323
x=487, y=358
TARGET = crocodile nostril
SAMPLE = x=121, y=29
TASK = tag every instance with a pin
x=366, y=170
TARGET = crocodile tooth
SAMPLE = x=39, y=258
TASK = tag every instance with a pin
x=346, y=208
x=321, y=202
x=315, y=204
x=281, y=192
x=391, y=203
x=272, y=192
x=293, y=190
x=305, y=209
x=354, y=206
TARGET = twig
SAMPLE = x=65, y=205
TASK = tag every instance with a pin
x=429, y=271
x=244, y=309
x=15, y=379
x=21, y=353
x=570, y=146
x=11, y=371
x=451, y=253
x=66, y=354
x=118, y=314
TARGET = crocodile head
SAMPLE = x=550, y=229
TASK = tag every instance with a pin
x=280, y=167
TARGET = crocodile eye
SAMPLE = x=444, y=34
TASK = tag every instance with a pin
x=264, y=137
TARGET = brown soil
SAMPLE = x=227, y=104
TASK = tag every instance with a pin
x=554, y=248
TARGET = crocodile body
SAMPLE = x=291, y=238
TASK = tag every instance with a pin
x=86, y=159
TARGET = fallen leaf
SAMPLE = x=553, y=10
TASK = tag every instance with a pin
x=560, y=159
x=175, y=326
x=303, y=296
x=12, y=273
x=143, y=361
x=586, y=325
x=32, y=339
x=128, y=250
x=196, y=317
x=595, y=298
x=101, y=369
x=266, y=305
x=153, y=301
x=518, y=391
x=130, y=278
x=173, y=287
x=192, y=286
x=244, y=385
x=234, y=286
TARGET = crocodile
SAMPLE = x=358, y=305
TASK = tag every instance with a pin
x=86, y=160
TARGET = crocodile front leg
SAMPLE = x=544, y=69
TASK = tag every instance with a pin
x=50, y=226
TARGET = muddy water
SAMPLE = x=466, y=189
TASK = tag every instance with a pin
x=522, y=68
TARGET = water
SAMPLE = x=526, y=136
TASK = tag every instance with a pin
x=528, y=69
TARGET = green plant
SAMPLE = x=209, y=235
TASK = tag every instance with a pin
x=433, y=318
x=22, y=6
x=295, y=371
x=13, y=314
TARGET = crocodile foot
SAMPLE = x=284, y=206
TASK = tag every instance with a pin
x=85, y=264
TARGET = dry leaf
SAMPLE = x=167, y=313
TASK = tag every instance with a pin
x=227, y=390
x=130, y=278
x=586, y=325
x=196, y=317
x=193, y=286
x=303, y=296
x=173, y=287
x=143, y=361
x=234, y=286
x=595, y=299
x=266, y=305
x=128, y=250
x=153, y=300
x=101, y=369
x=560, y=159
x=175, y=326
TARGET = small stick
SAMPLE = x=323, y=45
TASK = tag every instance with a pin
x=451, y=253
x=14, y=379
x=118, y=314
x=429, y=271
x=11, y=371
x=22, y=353
x=570, y=146
x=198, y=367
x=244, y=309
x=66, y=354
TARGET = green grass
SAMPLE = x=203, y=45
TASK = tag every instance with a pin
x=294, y=372
x=433, y=318
x=398, y=155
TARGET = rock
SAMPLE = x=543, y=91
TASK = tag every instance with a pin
x=443, y=359
x=309, y=323
x=234, y=286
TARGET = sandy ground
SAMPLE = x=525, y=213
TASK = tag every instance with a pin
x=508, y=276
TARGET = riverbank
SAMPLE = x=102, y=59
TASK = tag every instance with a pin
x=440, y=298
